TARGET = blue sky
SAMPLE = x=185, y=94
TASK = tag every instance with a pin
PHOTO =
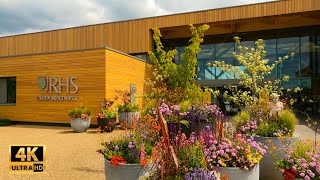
x=25, y=16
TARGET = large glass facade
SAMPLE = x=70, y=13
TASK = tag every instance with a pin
x=303, y=68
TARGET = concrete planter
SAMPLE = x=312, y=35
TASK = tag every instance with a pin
x=123, y=171
x=128, y=118
x=79, y=124
x=235, y=173
x=268, y=168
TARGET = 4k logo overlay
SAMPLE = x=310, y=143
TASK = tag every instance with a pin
x=27, y=158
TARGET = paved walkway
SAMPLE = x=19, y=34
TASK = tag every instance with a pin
x=69, y=155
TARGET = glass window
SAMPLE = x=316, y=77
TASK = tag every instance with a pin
x=271, y=49
x=224, y=52
x=7, y=90
x=205, y=56
x=289, y=67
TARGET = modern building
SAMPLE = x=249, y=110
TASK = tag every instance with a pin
x=286, y=26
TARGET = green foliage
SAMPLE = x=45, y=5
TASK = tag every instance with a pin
x=184, y=106
x=130, y=107
x=191, y=156
x=78, y=111
x=5, y=122
x=241, y=119
x=176, y=82
x=109, y=114
x=268, y=130
x=288, y=119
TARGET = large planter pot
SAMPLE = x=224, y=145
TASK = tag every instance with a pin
x=123, y=171
x=79, y=124
x=106, y=124
x=268, y=168
x=235, y=173
x=128, y=118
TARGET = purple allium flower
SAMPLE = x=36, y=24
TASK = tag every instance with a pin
x=116, y=148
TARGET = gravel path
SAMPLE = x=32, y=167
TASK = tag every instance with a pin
x=69, y=155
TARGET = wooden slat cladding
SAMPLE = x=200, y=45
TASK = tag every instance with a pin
x=88, y=66
x=121, y=71
x=133, y=36
x=99, y=72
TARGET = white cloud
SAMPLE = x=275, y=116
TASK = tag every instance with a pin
x=25, y=16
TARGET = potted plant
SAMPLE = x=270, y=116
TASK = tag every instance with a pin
x=80, y=119
x=265, y=115
x=128, y=111
x=128, y=156
x=106, y=118
x=301, y=160
x=238, y=156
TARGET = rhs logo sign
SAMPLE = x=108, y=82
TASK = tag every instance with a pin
x=54, y=85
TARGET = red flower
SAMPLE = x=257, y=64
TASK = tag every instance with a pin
x=115, y=160
x=289, y=174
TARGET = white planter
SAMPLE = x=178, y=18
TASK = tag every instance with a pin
x=124, y=171
x=235, y=173
x=128, y=118
x=268, y=169
x=79, y=124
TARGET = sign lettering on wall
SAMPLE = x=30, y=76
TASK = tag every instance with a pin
x=57, y=85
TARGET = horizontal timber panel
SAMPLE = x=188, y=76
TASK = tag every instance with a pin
x=121, y=71
x=133, y=36
x=88, y=66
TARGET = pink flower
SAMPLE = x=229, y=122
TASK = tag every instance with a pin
x=318, y=169
x=233, y=154
x=304, y=165
x=294, y=168
x=302, y=174
x=306, y=177
x=313, y=164
x=220, y=162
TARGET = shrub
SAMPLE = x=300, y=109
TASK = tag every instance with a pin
x=184, y=106
x=131, y=107
x=288, y=119
x=5, y=122
x=241, y=118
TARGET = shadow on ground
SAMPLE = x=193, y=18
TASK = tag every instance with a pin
x=86, y=169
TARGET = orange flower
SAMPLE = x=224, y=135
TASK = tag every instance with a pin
x=116, y=160
x=224, y=177
x=143, y=162
x=274, y=147
x=84, y=116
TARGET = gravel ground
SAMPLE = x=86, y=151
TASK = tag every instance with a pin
x=69, y=155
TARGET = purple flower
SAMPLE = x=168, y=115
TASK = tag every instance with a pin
x=207, y=127
x=130, y=145
x=116, y=148
x=318, y=169
x=176, y=107
x=287, y=156
x=128, y=135
x=259, y=113
x=302, y=174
